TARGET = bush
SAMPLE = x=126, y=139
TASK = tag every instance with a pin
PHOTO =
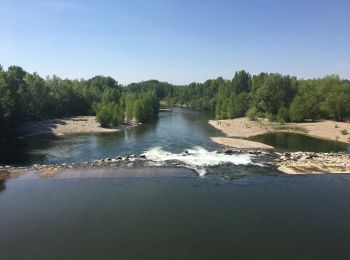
x=344, y=132
x=282, y=115
x=109, y=114
x=252, y=113
x=271, y=117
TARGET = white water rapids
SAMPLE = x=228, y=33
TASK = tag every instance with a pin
x=198, y=158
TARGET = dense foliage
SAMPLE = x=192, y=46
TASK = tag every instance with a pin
x=25, y=96
x=277, y=97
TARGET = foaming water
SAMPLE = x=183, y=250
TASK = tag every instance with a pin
x=198, y=158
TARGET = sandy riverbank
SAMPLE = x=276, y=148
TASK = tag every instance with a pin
x=244, y=128
x=239, y=143
x=65, y=126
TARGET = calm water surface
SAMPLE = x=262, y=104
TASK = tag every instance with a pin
x=177, y=216
x=299, y=142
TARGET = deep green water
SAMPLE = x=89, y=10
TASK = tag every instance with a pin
x=299, y=142
x=177, y=216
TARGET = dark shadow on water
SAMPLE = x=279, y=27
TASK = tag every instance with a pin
x=2, y=185
x=299, y=142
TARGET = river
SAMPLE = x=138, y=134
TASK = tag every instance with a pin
x=240, y=209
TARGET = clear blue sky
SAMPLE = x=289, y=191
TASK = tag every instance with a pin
x=176, y=41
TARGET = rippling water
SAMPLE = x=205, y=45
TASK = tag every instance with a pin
x=174, y=131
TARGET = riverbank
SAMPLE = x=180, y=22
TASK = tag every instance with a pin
x=65, y=126
x=244, y=128
x=240, y=143
x=312, y=163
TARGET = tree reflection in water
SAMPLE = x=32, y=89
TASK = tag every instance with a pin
x=2, y=185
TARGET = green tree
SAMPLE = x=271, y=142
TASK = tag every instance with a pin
x=6, y=107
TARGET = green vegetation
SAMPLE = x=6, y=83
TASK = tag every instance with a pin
x=25, y=96
x=344, y=132
x=274, y=96
x=280, y=98
x=290, y=128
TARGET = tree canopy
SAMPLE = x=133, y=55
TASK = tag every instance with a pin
x=25, y=96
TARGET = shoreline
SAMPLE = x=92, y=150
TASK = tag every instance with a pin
x=66, y=126
x=240, y=143
x=312, y=163
x=288, y=163
x=244, y=128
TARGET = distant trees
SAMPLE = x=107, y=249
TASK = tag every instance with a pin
x=232, y=97
x=25, y=96
x=6, y=106
x=274, y=96
x=135, y=107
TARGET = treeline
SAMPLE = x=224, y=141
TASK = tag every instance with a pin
x=274, y=96
x=25, y=96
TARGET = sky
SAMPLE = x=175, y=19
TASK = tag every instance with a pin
x=178, y=41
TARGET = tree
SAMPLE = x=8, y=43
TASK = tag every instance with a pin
x=298, y=110
x=282, y=115
x=241, y=81
x=6, y=107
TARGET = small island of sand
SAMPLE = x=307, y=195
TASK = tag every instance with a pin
x=65, y=126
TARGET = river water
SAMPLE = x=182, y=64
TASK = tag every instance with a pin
x=167, y=139
x=240, y=209
x=174, y=131
x=173, y=214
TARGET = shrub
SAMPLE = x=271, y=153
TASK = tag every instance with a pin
x=252, y=113
x=282, y=115
x=109, y=114
x=344, y=132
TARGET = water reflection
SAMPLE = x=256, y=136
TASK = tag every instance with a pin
x=299, y=142
x=174, y=130
x=2, y=185
x=296, y=217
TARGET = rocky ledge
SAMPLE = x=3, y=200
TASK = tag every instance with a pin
x=289, y=163
x=312, y=163
x=43, y=170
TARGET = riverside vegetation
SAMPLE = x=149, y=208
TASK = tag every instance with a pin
x=26, y=96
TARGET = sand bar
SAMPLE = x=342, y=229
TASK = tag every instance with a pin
x=239, y=143
x=244, y=128
x=65, y=126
